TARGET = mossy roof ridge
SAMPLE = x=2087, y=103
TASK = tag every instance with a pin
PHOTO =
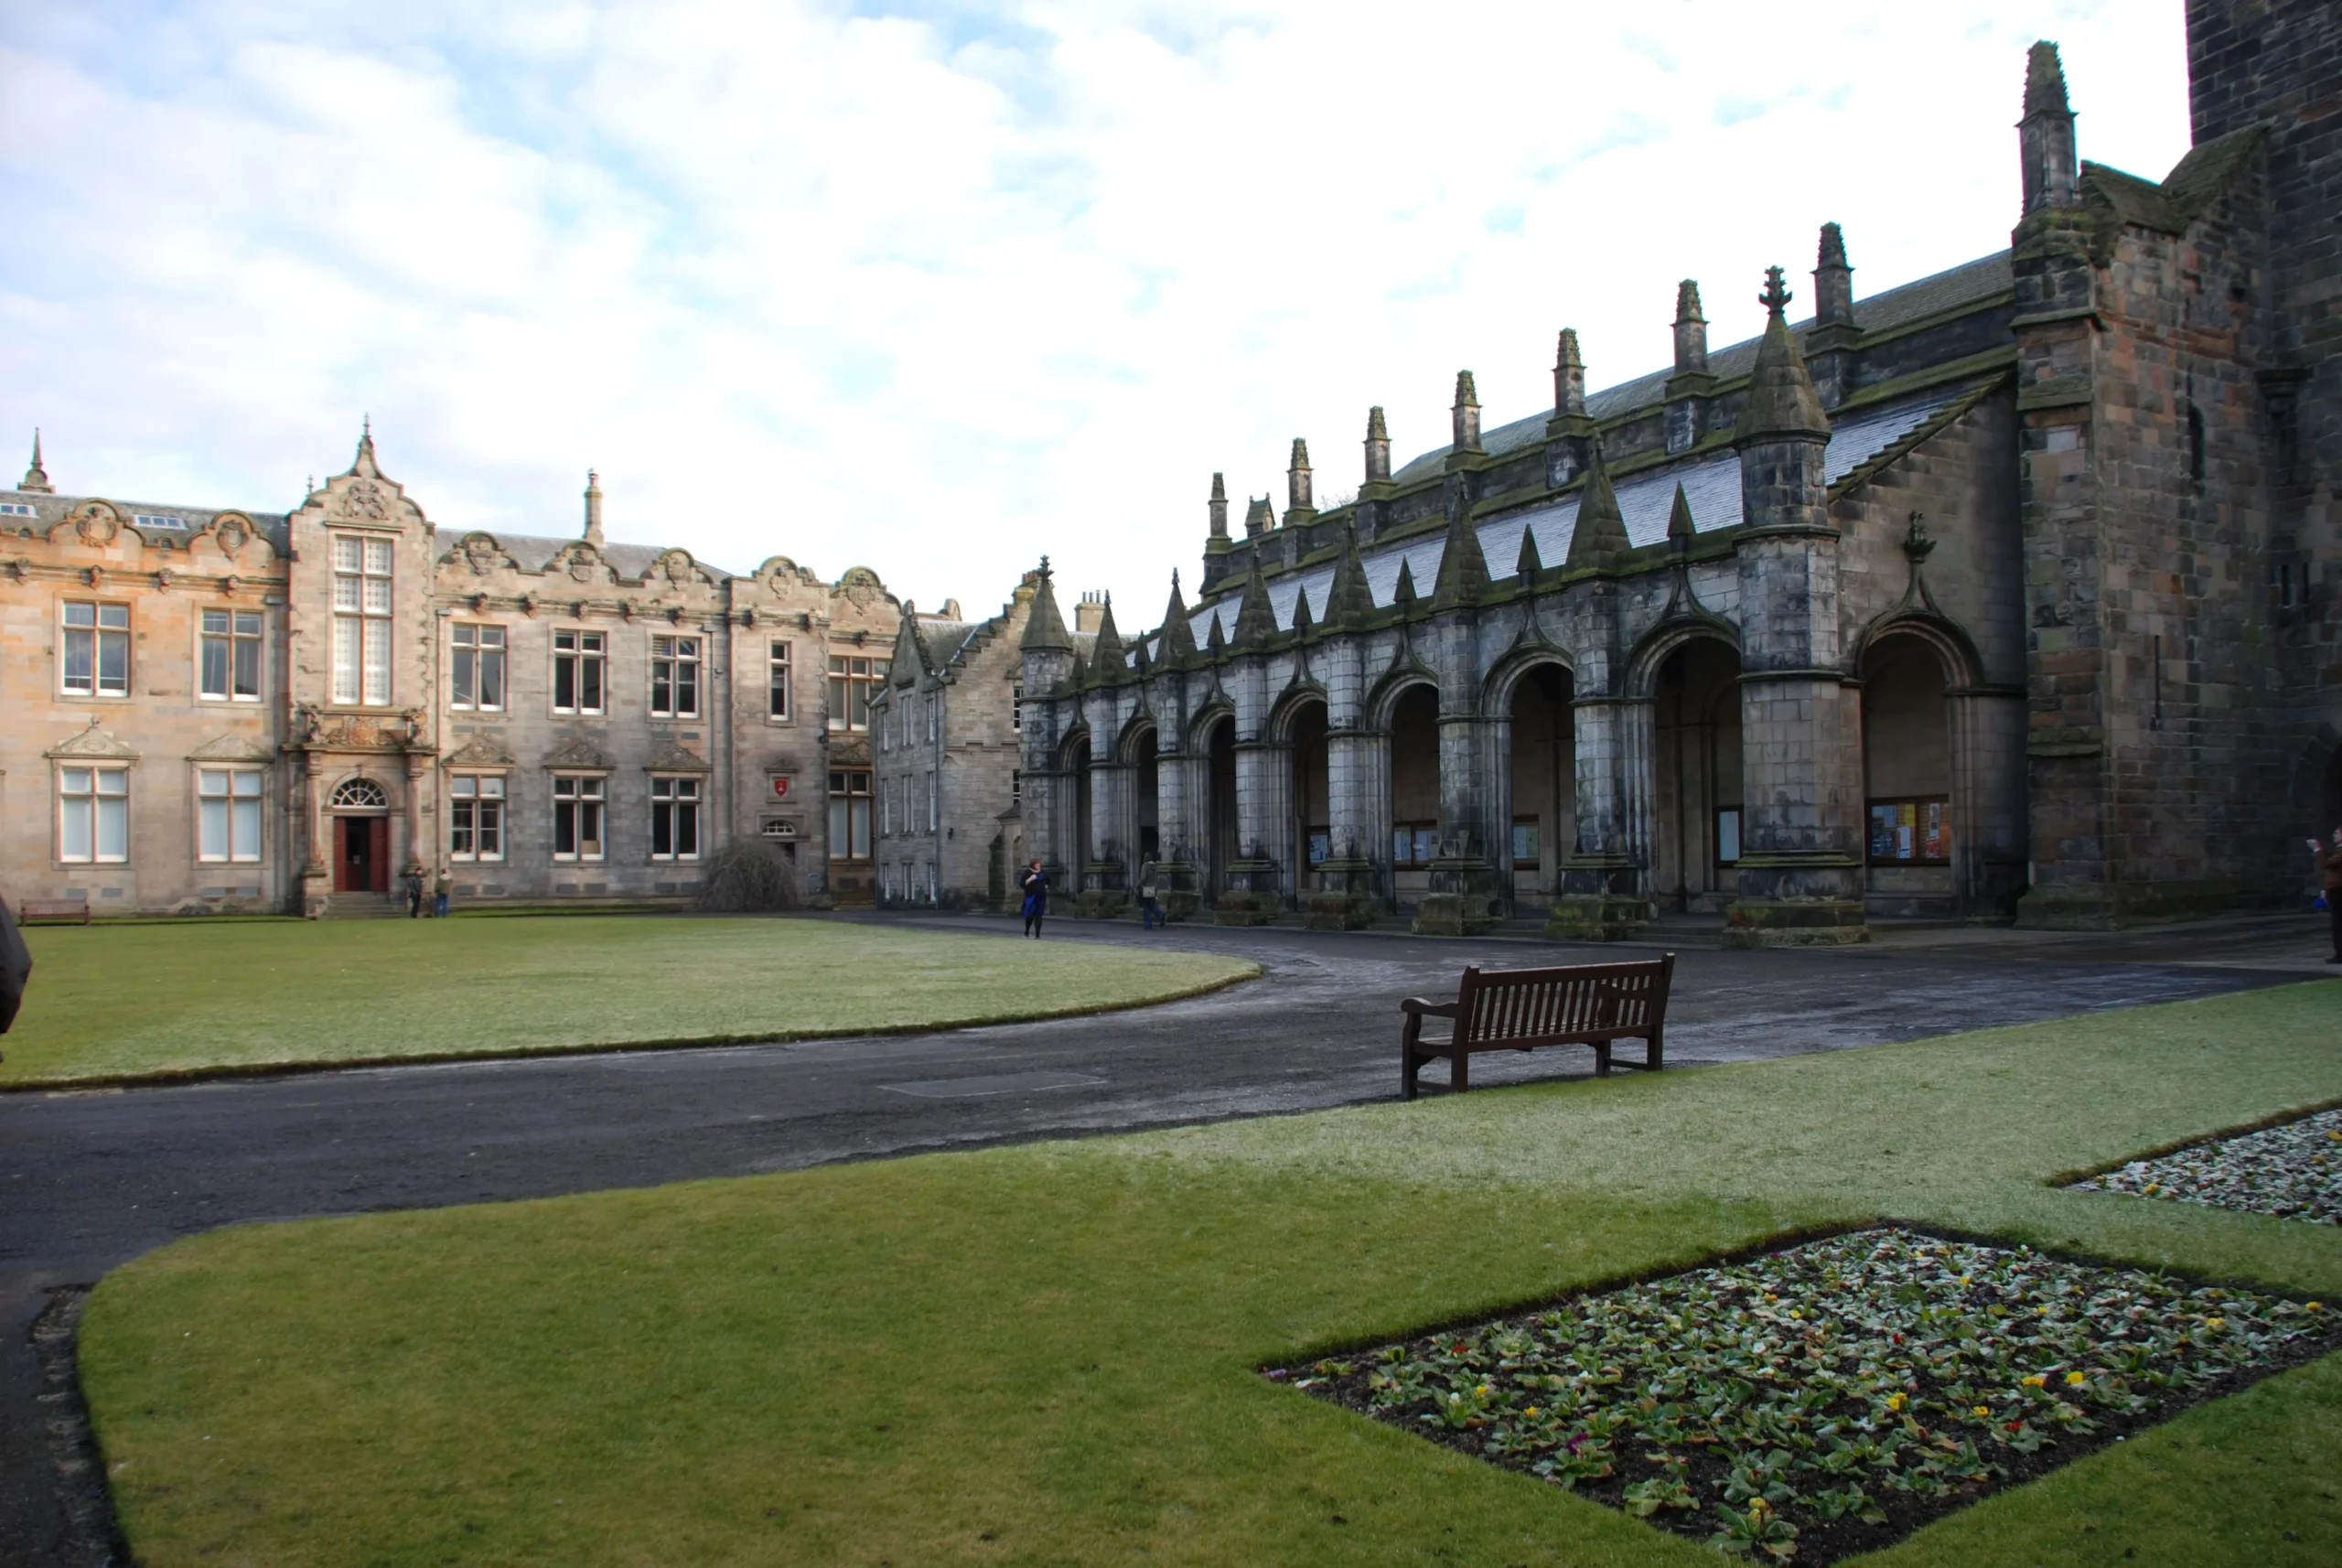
x=1969, y=286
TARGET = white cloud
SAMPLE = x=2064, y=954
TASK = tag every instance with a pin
x=939, y=287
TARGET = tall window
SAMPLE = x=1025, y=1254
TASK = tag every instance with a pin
x=362, y=621
x=577, y=818
x=478, y=678
x=230, y=657
x=475, y=816
x=227, y=825
x=578, y=674
x=675, y=677
x=852, y=682
x=932, y=812
x=675, y=819
x=777, y=705
x=1017, y=707
x=1015, y=788
x=849, y=815
x=934, y=715
x=92, y=814
x=97, y=650
x=887, y=793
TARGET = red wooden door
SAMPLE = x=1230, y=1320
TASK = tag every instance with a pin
x=379, y=834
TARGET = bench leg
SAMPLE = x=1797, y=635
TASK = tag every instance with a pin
x=1602, y=1059
x=1657, y=1053
x=1459, y=1077
x=1409, y=1063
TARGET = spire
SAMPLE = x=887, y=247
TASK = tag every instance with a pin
x=1301, y=611
x=1045, y=631
x=1297, y=490
x=1259, y=517
x=1526, y=565
x=2046, y=134
x=1600, y=534
x=1350, y=601
x=1403, y=595
x=1781, y=400
x=36, y=481
x=1377, y=446
x=1107, y=659
x=1177, y=639
x=1219, y=507
x=1833, y=281
x=1466, y=413
x=1463, y=566
x=592, y=510
x=1215, y=639
x=1691, y=331
x=1256, y=617
x=1569, y=375
x=1679, y=527
x=363, y=463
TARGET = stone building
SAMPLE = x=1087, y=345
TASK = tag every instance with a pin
x=230, y=711
x=2004, y=593
x=945, y=723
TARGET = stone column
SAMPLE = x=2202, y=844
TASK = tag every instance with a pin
x=1105, y=889
x=1263, y=803
x=1466, y=896
x=417, y=765
x=1357, y=794
x=1604, y=894
x=317, y=870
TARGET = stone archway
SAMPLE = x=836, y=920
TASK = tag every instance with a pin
x=360, y=810
x=1544, y=781
x=1907, y=772
x=1311, y=832
x=1415, y=792
x=1696, y=791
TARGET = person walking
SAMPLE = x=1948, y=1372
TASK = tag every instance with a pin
x=1036, y=886
x=414, y=892
x=2329, y=865
x=441, y=886
x=15, y=968
x=1149, y=915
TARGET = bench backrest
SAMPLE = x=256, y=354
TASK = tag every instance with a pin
x=1580, y=1002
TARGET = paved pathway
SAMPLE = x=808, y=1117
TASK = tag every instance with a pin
x=90, y=1179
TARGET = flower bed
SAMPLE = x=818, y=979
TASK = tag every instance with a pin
x=1829, y=1398
x=2294, y=1171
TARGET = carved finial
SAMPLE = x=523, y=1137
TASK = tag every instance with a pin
x=1045, y=566
x=1915, y=544
x=1300, y=495
x=1174, y=576
x=36, y=481
x=1375, y=429
x=1691, y=331
x=1776, y=298
x=1218, y=508
x=1377, y=446
x=1466, y=413
x=1569, y=375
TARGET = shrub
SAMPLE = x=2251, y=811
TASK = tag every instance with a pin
x=746, y=876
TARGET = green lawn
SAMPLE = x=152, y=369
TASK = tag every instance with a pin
x=1046, y=1354
x=164, y=1001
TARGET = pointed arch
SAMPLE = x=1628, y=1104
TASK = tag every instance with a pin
x=1653, y=647
x=1288, y=705
x=1404, y=675
x=1504, y=675
x=1963, y=665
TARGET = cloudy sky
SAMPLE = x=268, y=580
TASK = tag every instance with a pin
x=937, y=287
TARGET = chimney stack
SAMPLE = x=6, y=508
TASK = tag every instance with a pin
x=592, y=510
x=1378, y=447
x=1466, y=413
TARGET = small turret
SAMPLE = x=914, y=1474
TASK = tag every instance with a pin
x=1781, y=400
x=1466, y=413
x=1046, y=632
x=1259, y=517
x=593, y=509
x=1300, y=505
x=1256, y=617
x=1569, y=376
x=2046, y=134
x=1351, y=600
x=1833, y=281
x=36, y=480
x=1219, y=505
x=1463, y=565
x=1177, y=639
x=1691, y=331
x=1377, y=446
x=1599, y=536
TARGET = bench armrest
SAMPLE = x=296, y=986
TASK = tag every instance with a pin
x=1422, y=1008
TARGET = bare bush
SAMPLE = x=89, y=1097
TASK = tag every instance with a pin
x=747, y=876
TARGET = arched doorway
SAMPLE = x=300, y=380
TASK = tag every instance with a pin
x=361, y=836
x=1312, y=829
x=1220, y=801
x=1414, y=793
x=1544, y=784
x=1907, y=773
x=1696, y=802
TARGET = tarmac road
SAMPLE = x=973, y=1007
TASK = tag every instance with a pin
x=90, y=1179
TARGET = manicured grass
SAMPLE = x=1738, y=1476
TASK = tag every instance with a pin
x=153, y=1002
x=1049, y=1354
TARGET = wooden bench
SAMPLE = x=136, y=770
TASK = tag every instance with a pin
x=52, y=910
x=1592, y=1004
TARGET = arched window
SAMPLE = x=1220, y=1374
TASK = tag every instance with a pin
x=359, y=795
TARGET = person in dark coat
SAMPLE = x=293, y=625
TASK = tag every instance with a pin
x=2329, y=868
x=15, y=968
x=414, y=892
x=1036, y=886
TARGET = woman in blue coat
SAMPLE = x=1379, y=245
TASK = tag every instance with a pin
x=1035, y=884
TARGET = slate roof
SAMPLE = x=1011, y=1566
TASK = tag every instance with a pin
x=1645, y=498
x=1973, y=284
x=48, y=511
